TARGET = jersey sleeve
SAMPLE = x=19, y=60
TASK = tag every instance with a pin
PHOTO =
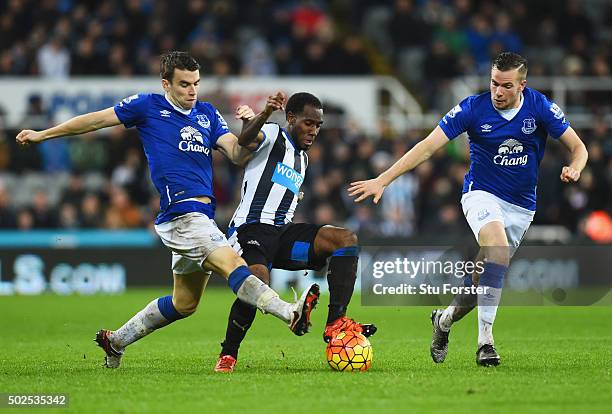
x=458, y=119
x=218, y=128
x=270, y=132
x=552, y=117
x=132, y=110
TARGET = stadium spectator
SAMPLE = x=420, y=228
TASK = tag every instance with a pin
x=25, y=220
x=409, y=44
x=454, y=37
x=91, y=215
x=504, y=36
x=68, y=216
x=54, y=155
x=43, y=214
x=87, y=154
x=53, y=59
x=479, y=39
x=7, y=214
x=74, y=192
x=122, y=213
x=575, y=22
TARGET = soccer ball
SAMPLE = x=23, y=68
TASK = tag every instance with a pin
x=349, y=351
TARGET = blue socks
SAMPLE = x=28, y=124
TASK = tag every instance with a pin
x=493, y=275
x=167, y=309
x=237, y=277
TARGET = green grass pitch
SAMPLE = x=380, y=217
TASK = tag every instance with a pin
x=554, y=360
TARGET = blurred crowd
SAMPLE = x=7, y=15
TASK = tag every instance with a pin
x=102, y=179
x=407, y=38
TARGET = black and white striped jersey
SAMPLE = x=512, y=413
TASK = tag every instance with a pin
x=272, y=180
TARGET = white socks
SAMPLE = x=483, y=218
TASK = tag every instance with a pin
x=446, y=319
x=256, y=293
x=487, y=309
x=141, y=324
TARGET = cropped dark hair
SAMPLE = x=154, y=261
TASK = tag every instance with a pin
x=176, y=60
x=508, y=61
x=298, y=101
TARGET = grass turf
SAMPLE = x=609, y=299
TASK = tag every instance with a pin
x=554, y=360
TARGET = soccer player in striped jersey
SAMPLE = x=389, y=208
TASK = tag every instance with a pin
x=262, y=231
x=178, y=134
x=507, y=127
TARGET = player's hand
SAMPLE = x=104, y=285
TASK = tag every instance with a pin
x=275, y=103
x=569, y=175
x=364, y=189
x=27, y=137
x=244, y=112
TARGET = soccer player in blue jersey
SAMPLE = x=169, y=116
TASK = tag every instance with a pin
x=178, y=134
x=507, y=128
x=262, y=228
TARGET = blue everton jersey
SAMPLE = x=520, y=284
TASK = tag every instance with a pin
x=505, y=154
x=178, y=147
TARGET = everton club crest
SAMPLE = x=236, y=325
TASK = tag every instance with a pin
x=203, y=121
x=529, y=126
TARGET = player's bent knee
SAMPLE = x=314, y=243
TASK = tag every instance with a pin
x=261, y=272
x=497, y=254
x=349, y=238
x=335, y=238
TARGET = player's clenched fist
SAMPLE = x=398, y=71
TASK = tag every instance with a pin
x=569, y=175
x=244, y=112
x=27, y=136
x=276, y=102
x=365, y=189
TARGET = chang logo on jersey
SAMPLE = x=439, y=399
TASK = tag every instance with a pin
x=287, y=177
x=508, y=153
x=192, y=141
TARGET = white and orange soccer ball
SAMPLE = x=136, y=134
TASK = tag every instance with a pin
x=349, y=351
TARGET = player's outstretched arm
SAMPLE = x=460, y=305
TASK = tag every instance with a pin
x=228, y=143
x=74, y=126
x=251, y=134
x=419, y=153
x=578, y=156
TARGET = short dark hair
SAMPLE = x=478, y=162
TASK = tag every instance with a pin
x=508, y=61
x=176, y=60
x=298, y=101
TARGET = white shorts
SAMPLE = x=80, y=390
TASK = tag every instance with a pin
x=481, y=207
x=191, y=237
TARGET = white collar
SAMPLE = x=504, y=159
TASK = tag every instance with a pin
x=178, y=108
x=508, y=114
